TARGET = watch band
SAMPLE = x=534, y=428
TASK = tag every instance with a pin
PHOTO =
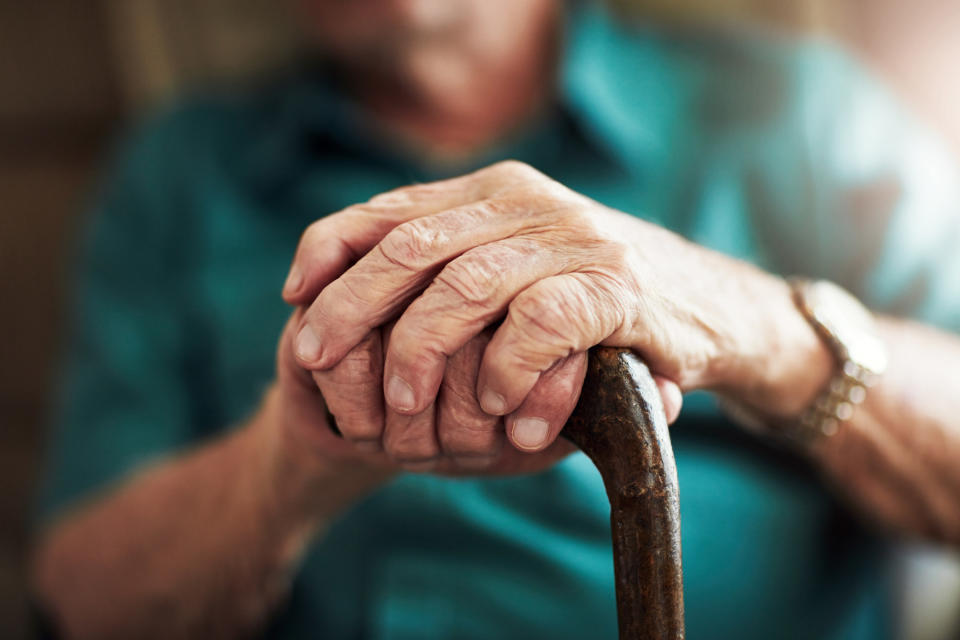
x=834, y=405
x=848, y=387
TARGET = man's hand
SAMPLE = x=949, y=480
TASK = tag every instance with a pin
x=454, y=436
x=562, y=273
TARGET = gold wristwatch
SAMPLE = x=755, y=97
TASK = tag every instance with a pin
x=848, y=329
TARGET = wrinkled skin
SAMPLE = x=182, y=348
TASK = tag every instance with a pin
x=435, y=267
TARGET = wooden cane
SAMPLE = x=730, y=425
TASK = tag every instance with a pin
x=620, y=424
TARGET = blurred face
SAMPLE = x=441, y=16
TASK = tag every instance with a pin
x=439, y=43
x=375, y=28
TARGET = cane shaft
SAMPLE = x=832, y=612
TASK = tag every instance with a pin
x=619, y=423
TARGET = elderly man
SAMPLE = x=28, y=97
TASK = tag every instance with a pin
x=444, y=326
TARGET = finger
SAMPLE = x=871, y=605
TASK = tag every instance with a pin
x=540, y=418
x=331, y=244
x=466, y=296
x=410, y=440
x=470, y=437
x=552, y=319
x=382, y=282
x=304, y=406
x=288, y=369
x=670, y=396
x=353, y=393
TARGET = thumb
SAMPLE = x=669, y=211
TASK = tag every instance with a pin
x=670, y=396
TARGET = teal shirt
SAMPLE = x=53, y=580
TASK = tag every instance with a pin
x=783, y=154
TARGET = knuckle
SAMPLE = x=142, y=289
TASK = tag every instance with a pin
x=512, y=176
x=515, y=169
x=485, y=211
x=354, y=422
x=359, y=210
x=464, y=441
x=356, y=427
x=461, y=409
x=400, y=197
x=475, y=279
x=558, y=389
x=339, y=303
x=313, y=234
x=573, y=311
x=359, y=366
x=545, y=315
x=580, y=226
x=489, y=209
x=618, y=255
x=346, y=216
x=412, y=245
x=466, y=430
x=406, y=445
x=418, y=348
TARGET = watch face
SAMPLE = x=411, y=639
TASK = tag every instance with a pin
x=868, y=351
x=850, y=323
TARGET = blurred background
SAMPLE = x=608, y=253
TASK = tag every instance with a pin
x=71, y=73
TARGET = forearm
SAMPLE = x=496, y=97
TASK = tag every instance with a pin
x=899, y=456
x=200, y=546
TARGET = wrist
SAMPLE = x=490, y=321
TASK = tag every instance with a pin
x=785, y=363
x=300, y=486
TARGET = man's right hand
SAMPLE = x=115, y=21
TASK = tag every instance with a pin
x=454, y=437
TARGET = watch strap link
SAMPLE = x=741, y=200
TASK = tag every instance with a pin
x=847, y=388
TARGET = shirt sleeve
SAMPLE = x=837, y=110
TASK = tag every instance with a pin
x=881, y=215
x=124, y=395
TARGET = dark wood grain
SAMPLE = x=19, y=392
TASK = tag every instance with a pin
x=619, y=423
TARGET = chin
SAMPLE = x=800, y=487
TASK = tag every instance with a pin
x=439, y=74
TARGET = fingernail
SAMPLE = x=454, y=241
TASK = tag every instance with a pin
x=493, y=403
x=529, y=433
x=674, y=402
x=308, y=345
x=400, y=394
x=294, y=280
